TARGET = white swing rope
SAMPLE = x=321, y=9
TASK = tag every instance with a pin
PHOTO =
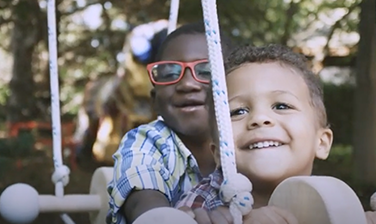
x=60, y=177
x=236, y=188
x=173, y=17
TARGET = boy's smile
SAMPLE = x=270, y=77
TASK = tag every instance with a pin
x=187, y=109
x=190, y=104
x=264, y=143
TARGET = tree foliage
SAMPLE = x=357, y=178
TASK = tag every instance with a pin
x=92, y=32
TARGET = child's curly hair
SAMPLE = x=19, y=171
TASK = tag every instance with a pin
x=285, y=56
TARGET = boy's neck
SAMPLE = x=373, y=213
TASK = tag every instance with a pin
x=260, y=199
x=202, y=153
x=261, y=193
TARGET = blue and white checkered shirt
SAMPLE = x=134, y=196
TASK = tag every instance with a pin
x=151, y=157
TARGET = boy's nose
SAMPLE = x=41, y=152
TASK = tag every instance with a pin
x=188, y=83
x=259, y=120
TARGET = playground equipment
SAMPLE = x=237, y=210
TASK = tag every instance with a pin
x=20, y=203
x=313, y=200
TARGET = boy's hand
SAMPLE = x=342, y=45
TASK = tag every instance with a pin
x=220, y=215
x=270, y=215
x=371, y=217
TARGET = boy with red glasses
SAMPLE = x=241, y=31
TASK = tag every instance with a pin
x=159, y=161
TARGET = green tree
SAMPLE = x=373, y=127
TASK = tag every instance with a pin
x=365, y=97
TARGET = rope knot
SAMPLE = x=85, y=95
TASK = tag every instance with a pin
x=373, y=202
x=61, y=174
x=237, y=192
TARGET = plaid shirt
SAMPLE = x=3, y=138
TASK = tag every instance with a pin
x=205, y=194
x=150, y=157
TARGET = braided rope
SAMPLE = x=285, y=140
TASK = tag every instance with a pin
x=236, y=188
x=173, y=17
x=61, y=175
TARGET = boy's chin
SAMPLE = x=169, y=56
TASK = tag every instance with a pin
x=267, y=179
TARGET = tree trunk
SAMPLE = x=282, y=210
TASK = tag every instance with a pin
x=25, y=36
x=365, y=97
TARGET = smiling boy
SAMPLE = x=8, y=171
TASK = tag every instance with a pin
x=279, y=125
x=157, y=162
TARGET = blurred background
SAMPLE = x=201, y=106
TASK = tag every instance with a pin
x=103, y=46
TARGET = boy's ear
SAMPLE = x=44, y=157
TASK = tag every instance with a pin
x=153, y=100
x=325, y=141
x=152, y=94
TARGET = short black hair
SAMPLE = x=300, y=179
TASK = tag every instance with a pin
x=193, y=28
x=282, y=54
x=156, y=43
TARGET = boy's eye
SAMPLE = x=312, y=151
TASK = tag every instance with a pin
x=204, y=73
x=171, y=75
x=282, y=106
x=239, y=111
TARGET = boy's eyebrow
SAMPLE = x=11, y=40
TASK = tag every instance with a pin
x=285, y=92
x=242, y=97
x=238, y=97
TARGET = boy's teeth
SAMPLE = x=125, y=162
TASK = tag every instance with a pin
x=259, y=145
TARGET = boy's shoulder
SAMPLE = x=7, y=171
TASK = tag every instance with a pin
x=154, y=134
x=156, y=127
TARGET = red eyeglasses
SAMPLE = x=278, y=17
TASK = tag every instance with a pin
x=170, y=72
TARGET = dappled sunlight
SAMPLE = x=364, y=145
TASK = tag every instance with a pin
x=103, y=138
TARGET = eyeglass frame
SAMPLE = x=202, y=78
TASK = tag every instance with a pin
x=191, y=65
